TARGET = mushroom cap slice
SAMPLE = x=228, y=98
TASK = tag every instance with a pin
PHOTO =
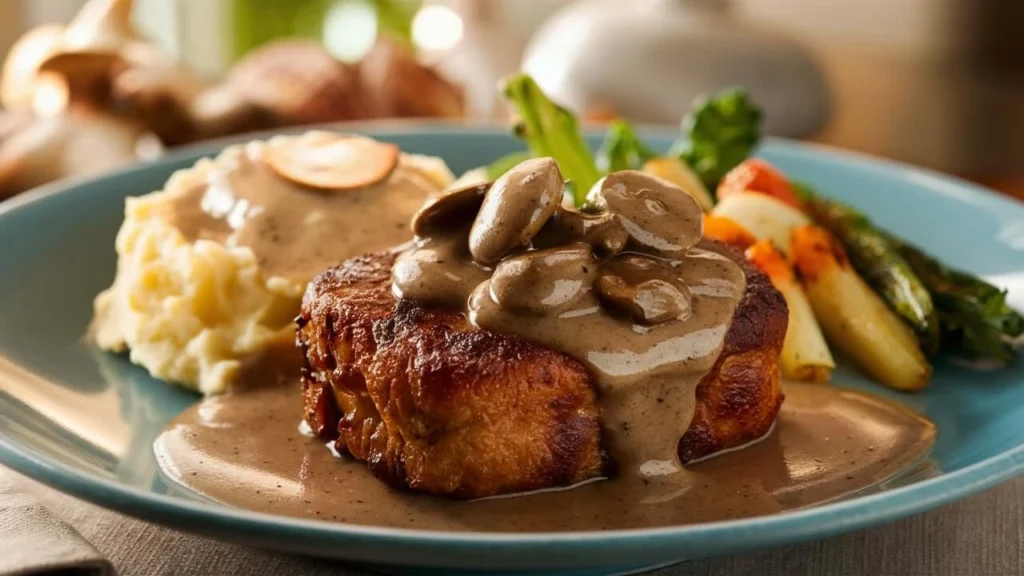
x=644, y=287
x=332, y=161
x=544, y=282
x=451, y=209
x=515, y=208
x=659, y=216
x=22, y=65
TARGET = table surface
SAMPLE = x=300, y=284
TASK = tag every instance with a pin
x=979, y=536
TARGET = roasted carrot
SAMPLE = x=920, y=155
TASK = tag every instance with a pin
x=805, y=354
x=727, y=231
x=757, y=175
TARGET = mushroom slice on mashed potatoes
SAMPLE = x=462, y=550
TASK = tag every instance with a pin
x=211, y=269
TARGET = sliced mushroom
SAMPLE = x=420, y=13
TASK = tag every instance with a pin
x=437, y=271
x=602, y=231
x=332, y=161
x=98, y=42
x=182, y=107
x=77, y=143
x=515, y=208
x=658, y=216
x=160, y=96
x=543, y=282
x=87, y=73
x=22, y=65
x=450, y=209
x=645, y=288
x=102, y=24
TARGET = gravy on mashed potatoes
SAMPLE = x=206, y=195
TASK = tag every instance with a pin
x=211, y=270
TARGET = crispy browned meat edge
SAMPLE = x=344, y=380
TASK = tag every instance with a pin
x=350, y=318
x=739, y=399
x=434, y=404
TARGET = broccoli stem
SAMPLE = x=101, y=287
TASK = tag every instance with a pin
x=550, y=130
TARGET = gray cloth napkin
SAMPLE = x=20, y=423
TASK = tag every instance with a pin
x=35, y=542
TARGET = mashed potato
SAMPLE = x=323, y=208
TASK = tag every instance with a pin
x=194, y=312
x=190, y=312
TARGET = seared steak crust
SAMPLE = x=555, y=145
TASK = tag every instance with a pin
x=434, y=404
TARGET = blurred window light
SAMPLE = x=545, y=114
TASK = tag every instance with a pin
x=436, y=28
x=350, y=29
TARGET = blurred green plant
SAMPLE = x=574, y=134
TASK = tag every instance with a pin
x=255, y=22
x=395, y=17
x=720, y=131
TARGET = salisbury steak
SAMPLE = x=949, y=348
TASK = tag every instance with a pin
x=436, y=405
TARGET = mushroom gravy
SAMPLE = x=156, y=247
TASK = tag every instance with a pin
x=246, y=450
x=625, y=290
x=295, y=231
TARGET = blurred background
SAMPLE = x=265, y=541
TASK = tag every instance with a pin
x=939, y=83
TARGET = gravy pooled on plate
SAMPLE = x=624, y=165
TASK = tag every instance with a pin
x=247, y=451
x=626, y=288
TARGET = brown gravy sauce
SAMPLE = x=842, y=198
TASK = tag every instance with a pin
x=246, y=450
x=295, y=232
x=625, y=290
x=646, y=375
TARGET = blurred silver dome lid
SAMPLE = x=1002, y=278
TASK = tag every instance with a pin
x=648, y=59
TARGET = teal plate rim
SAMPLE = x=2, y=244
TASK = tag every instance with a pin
x=721, y=537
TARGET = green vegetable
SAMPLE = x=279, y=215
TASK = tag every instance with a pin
x=975, y=319
x=881, y=265
x=804, y=192
x=395, y=17
x=506, y=163
x=622, y=149
x=719, y=132
x=550, y=130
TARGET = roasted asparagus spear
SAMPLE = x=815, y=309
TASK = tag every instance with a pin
x=881, y=265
